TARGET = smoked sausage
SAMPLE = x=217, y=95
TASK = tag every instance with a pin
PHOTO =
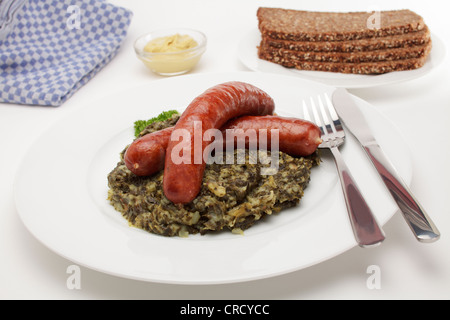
x=297, y=137
x=211, y=110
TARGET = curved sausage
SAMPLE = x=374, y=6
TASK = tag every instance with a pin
x=211, y=110
x=297, y=137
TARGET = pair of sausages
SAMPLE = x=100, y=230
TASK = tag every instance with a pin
x=228, y=106
x=146, y=155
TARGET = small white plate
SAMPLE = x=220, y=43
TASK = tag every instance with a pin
x=248, y=55
x=61, y=190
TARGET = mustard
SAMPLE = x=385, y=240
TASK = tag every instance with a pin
x=172, y=43
x=179, y=58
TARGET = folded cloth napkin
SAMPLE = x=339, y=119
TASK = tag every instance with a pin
x=57, y=46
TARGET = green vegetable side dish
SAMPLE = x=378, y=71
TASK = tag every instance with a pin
x=234, y=196
x=140, y=125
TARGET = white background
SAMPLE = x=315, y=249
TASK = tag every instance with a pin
x=419, y=108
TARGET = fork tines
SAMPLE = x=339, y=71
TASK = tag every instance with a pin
x=324, y=116
x=327, y=118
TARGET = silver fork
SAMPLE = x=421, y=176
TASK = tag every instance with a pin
x=365, y=227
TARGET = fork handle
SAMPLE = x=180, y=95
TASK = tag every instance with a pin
x=420, y=223
x=365, y=228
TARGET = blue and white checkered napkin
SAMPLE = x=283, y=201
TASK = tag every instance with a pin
x=55, y=47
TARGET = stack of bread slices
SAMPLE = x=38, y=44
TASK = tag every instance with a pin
x=344, y=42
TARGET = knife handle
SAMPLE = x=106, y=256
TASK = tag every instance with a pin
x=416, y=217
x=365, y=228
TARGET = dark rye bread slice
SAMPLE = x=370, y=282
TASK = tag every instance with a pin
x=282, y=55
x=367, y=68
x=296, y=25
x=407, y=40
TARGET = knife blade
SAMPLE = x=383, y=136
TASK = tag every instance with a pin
x=418, y=220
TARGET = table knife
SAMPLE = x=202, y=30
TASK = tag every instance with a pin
x=420, y=223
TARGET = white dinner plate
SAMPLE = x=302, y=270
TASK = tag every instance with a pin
x=248, y=55
x=61, y=190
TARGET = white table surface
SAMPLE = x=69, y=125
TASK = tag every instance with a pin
x=419, y=108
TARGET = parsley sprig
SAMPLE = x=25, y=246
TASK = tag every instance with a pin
x=140, y=125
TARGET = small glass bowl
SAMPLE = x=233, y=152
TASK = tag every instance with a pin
x=171, y=63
